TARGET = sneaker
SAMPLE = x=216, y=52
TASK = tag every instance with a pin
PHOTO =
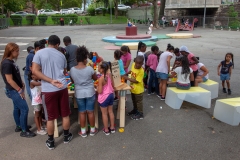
x=67, y=138
x=41, y=132
x=224, y=90
x=94, y=133
x=50, y=144
x=159, y=96
x=132, y=112
x=229, y=91
x=111, y=130
x=84, y=135
x=27, y=134
x=152, y=93
x=44, y=128
x=137, y=116
x=18, y=129
x=149, y=94
x=106, y=133
x=162, y=98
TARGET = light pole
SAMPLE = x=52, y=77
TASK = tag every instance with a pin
x=204, y=18
x=110, y=12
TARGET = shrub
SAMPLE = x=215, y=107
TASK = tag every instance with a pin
x=30, y=19
x=2, y=16
x=56, y=18
x=104, y=10
x=91, y=11
x=67, y=18
x=42, y=18
x=17, y=20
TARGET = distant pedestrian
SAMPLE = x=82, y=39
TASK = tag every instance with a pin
x=173, y=22
x=164, y=21
x=195, y=22
x=62, y=21
x=150, y=28
x=81, y=22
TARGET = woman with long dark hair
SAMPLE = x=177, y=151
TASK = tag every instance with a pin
x=14, y=89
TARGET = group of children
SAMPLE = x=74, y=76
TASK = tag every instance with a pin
x=151, y=69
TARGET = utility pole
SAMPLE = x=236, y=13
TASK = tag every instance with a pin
x=204, y=17
x=110, y=12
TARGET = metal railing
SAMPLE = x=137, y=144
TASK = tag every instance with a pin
x=4, y=23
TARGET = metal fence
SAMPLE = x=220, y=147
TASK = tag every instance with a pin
x=210, y=22
x=4, y=23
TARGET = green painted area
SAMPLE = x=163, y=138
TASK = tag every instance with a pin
x=162, y=36
x=148, y=43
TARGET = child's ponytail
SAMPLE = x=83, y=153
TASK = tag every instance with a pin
x=139, y=46
x=105, y=68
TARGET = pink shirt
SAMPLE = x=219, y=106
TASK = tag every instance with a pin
x=106, y=90
x=126, y=57
x=193, y=66
x=152, y=61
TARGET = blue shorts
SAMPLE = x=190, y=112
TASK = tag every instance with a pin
x=183, y=86
x=108, y=101
x=204, y=79
x=86, y=104
x=161, y=75
x=224, y=77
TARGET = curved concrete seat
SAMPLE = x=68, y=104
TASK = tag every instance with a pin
x=180, y=35
x=211, y=86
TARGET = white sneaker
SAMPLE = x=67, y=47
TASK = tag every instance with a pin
x=41, y=132
x=44, y=128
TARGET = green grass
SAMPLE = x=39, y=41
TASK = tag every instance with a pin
x=99, y=19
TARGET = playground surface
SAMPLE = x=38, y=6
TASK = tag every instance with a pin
x=164, y=133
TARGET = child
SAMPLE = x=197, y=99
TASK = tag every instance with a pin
x=226, y=71
x=117, y=56
x=193, y=61
x=163, y=69
x=152, y=63
x=98, y=58
x=150, y=28
x=106, y=97
x=126, y=57
x=83, y=76
x=136, y=83
x=177, y=59
x=35, y=87
x=141, y=51
x=184, y=74
x=202, y=74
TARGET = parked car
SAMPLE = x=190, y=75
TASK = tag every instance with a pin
x=48, y=12
x=20, y=13
x=100, y=9
x=75, y=10
x=64, y=11
x=123, y=7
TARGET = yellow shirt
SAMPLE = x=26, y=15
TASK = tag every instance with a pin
x=90, y=63
x=137, y=74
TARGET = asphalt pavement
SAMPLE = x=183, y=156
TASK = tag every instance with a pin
x=185, y=134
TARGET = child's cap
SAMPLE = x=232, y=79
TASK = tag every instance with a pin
x=184, y=49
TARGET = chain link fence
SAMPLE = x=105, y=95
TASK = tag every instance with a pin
x=4, y=23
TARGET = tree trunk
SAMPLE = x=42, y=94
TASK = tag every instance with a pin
x=2, y=8
x=162, y=8
x=84, y=5
x=116, y=8
x=155, y=14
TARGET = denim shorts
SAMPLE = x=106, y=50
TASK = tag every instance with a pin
x=108, y=101
x=183, y=86
x=204, y=79
x=161, y=75
x=86, y=104
x=224, y=77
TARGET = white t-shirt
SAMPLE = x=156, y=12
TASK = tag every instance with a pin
x=142, y=54
x=36, y=95
x=181, y=77
x=173, y=21
x=201, y=72
x=150, y=27
x=162, y=64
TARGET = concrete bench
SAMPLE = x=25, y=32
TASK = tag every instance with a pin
x=228, y=111
x=195, y=95
x=211, y=86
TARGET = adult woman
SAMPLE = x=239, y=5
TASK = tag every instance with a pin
x=163, y=69
x=15, y=89
x=193, y=61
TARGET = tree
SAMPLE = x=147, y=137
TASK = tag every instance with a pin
x=12, y=5
x=162, y=8
x=155, y=14
x=116, y=8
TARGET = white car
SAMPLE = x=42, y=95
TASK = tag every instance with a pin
x=75, y=10
x=64, y=11
x=123, y=7
x=49, y=12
